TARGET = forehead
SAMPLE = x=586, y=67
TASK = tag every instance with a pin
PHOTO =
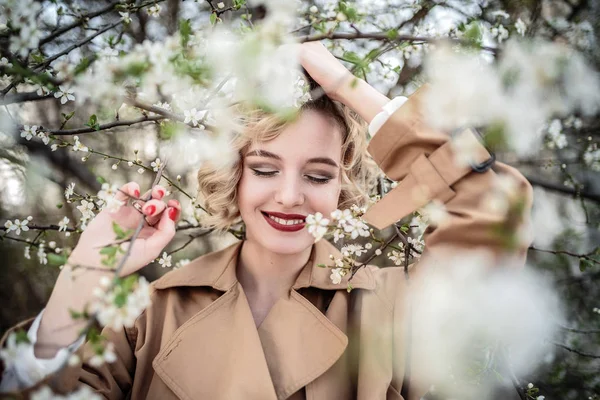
x=311, y=135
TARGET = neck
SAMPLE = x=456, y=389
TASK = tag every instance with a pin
x=265, y=273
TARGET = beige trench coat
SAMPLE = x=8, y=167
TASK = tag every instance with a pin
x=198, y=340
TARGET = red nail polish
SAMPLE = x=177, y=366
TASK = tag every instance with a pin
x=161, y=193
x=173, y=213
x=136, y=193
x=150, y=210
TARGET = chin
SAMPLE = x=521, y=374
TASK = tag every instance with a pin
x=285, y=243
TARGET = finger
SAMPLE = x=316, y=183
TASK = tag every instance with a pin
x=128, y=190
x=153, y=207
x=165, y=230
x=173, y=213
x=158, y=192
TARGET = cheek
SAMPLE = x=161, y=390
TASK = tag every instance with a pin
x=325, y=198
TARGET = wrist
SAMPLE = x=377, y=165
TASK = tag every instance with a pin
x=364, y=99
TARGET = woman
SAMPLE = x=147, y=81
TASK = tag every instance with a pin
x=259, y=319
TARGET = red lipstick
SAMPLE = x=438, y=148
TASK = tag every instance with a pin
x=284, y=217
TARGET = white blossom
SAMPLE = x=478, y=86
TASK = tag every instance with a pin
x=41, y=253
x=154, y=10
x=336, y=275
x=64, y=94
x=78, y=146
x=353, y=249
x=44, y=136
x=520, y=27
x=27, y=252
x=29, y=132
x=396, y=257
x=499, y=32
x=317, y=225
x=156, y=165
x=17, y=225
x=108, y=355
x=220, y=5
x=54, y=147
x=13, y=351
x=181, y=263
x=69, y=190
x=194, y=117
x=114, y=316
x=140, y=170
x=165, y=260
x=125, y=17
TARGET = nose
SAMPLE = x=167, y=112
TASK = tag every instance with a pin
x=290, y=193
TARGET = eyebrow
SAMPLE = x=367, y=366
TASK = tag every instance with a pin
x=314, y=160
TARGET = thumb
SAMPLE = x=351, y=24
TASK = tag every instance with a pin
x=164, y=233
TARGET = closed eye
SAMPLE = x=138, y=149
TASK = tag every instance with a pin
x=264, y=172
x=318, y=179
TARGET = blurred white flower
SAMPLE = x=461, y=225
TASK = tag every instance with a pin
x=154, y=10
x=520, y=27
x=108, y=355
x=499, y=32
x=194, y=117
x=13, y=351
x=110, y=310
x=125, y=17
x=396, y=257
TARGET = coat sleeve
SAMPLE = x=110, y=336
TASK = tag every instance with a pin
x=422, y=160
x=110, y=380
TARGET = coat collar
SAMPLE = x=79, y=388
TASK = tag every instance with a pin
x=218, y=270
x=294, y=346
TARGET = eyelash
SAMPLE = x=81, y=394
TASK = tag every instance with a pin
x=312, y=179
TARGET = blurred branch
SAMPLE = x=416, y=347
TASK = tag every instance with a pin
x=22, y=97
x=581, y=353
x=385, y=36
x=563, y=189
x=79, y=131
x=587, y=256
x=84, y=19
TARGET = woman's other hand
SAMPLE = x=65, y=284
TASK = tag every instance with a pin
x=339, y=83
x=324, y=68
x=151, y=241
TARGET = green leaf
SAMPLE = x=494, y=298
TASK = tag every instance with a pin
x=392, y=34
x=109, y=251
x=321, y=265
x=21, y=336
x=350, y=287
x=213, y=18
x=68, y=116
x=185, y=31
x=93, y=122
x=59, y=205
x=56, y=260
x=120, y=232
x=473, y=33
x=237, y=4
x=82, y=65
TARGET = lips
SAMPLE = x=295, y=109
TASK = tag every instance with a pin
x=285, y=222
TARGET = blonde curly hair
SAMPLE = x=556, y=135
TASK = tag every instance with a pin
x=217, y=186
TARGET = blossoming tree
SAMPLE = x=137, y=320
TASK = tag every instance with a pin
x=95, y=95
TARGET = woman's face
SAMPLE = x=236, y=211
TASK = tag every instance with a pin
x=287, y=178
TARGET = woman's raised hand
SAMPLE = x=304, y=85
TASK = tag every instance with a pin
x=324, y=68
x=151, y=241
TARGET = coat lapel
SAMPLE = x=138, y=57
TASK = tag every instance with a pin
x=295, y=344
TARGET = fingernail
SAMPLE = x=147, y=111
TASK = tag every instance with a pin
x=161, y=193
x=172, y=213
x=136, y=193
x=150, y=209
